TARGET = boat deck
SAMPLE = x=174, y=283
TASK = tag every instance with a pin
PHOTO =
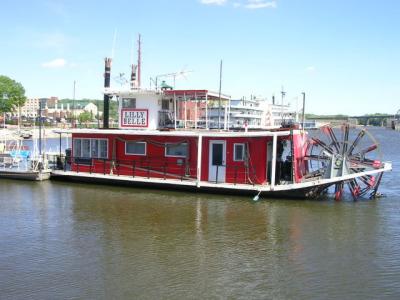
x=286, y=188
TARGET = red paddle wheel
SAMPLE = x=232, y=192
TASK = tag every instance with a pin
x=335, y=153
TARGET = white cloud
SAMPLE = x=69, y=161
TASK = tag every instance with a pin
x=257, y=4
x=213, y=2
x=55, y=63
x=248, y=4
x=311, y=69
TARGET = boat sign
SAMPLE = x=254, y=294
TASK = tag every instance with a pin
x=134, y=118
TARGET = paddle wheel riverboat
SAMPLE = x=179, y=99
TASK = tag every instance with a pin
x=166, y=139
x=153, y=147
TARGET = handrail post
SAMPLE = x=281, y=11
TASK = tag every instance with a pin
x=273, y=162
x=133, y=169
x=254, y=175
x=104, y=166
x=216, y=175
x=236, y=169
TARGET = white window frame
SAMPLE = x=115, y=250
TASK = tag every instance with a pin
x=234, y=151
x=174, y=144
x=90, y=139
x=145, y=148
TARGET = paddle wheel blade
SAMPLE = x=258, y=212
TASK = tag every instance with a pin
x=339, y=191
x=322, y=145
x=354, y=188
x=316, y=157
x=346, y=129
x=329, y=131
x=368, y=180
x=366, y=150
x=356, y=142
x=362, y=163
x=375, y=189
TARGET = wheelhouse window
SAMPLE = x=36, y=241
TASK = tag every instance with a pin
x=135, y=148
x=128, y=103
x=90, y=148
x=238, y=152
x=176, y=150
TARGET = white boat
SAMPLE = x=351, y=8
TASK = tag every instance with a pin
x=19, y=162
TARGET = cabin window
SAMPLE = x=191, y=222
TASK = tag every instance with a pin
x=85, y=146
x=103, y=149
x=95, y=148
x=238, y=152
x=135, y=148
x=77, y=148
x=90, y=148
x=176, y=150
x=128, y=103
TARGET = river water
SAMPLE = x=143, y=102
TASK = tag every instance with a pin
x=78, y=241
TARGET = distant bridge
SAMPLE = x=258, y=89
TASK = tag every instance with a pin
x=358, y=119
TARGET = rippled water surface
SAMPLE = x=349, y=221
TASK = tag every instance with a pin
x=62, y=241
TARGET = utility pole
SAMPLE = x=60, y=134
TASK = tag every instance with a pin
x=98, y=115
x=73, y=106
x=107, y=79
x=5, y=98
x=40, y=127
x=304, y=110
x=219, y=98
x=283, y=93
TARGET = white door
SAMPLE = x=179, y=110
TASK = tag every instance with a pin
x=217, y=159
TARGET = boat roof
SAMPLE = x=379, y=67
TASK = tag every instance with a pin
x=192, y=133
x=189, y=94
x=197, y=94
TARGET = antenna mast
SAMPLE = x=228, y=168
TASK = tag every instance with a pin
x=219, y=98
x=139, y=63
x=113, y=44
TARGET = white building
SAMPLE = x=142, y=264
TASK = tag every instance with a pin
x=246, y=113
x=30, y=108
x=277, y=114
x=253, y=113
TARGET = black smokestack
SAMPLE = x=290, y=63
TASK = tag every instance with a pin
x=273, y=99
x=107, y=76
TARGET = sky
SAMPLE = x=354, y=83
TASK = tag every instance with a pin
x=344, y=54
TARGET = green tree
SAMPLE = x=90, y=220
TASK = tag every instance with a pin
x=12, y=94
x=85, y=117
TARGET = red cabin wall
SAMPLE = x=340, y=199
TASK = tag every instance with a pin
x=160, y=165
x=235, y=170
x=155, y=156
